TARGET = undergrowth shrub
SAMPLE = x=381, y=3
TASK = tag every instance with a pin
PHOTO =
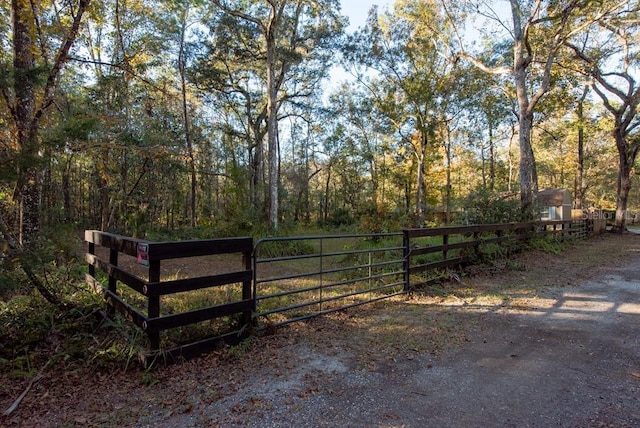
x=548, y=244
x=485, y=206
x=269, y=249
x=35, y=333
x=378, y=219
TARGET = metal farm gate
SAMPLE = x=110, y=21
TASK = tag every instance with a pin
x=301, y=277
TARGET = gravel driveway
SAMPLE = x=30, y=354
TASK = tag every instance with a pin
x=570, y=358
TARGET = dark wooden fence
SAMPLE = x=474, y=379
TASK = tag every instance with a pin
x=148, y=257
x=458, y=245
x=322, y=280
x=429, y=251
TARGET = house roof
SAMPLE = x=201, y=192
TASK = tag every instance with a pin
x=554, y=197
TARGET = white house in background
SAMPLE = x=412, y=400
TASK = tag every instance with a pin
x=555, y=204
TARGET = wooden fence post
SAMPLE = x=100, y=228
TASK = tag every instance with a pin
x=92, y=251
x=154, y=305
x=406, y=263
x=445, y=242
x=113, y=260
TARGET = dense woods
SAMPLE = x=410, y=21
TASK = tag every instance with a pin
x=135, y=116
x=172, y=120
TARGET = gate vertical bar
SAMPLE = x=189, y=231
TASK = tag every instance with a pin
x=321, y=273
x=254, y=262
x=370, y=274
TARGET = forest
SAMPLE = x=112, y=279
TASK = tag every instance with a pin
x=170, y=120
x=187, y=118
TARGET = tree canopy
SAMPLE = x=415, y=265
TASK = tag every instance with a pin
x=133, y=116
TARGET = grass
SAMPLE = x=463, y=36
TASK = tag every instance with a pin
x=320, y=257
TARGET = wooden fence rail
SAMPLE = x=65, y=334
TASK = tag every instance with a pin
x=149, y=256
x=460, y=245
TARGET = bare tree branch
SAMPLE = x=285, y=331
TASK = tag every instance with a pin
x=482, y=66
x=239, y=14
x=61, y=58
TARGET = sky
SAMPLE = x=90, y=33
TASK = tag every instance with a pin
x=357, y=10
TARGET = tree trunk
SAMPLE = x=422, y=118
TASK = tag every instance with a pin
x=579, y=189
x=528, y=174
x=624, y=185
x=102, y=182
x=527, y=170
x=407, y=198
x=26, y=115
x=448, y=182
x=626, y=158
x=421, y=155
x=272, y=119
x=185, y=119
x=325, y=208
x=66, y=190
x=24, y=63
x=26, y=112
x=483, y=167
x=419, y=189
x=492, y=158
x=256, y=161
x=510, y=161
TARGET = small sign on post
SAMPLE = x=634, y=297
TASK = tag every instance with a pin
x=143, y=254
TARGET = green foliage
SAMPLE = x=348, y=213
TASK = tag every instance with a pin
x=374, y=219
x=548, y=244
x=233, y=226
x=11, y=282
x=241, y=348
x=33, y=332
x=271, y=249
x=486, y=207
x=340, y=217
